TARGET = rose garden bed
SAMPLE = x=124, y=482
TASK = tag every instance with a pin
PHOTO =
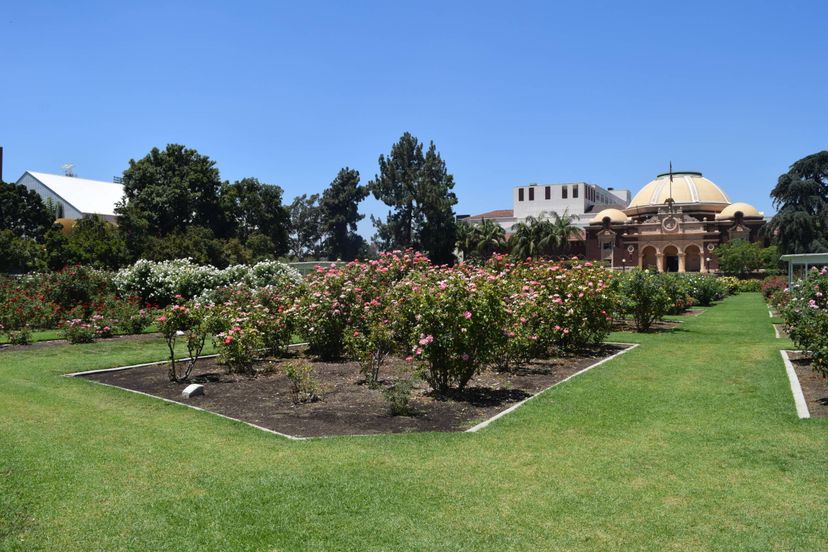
x=349, y=407
x=814, y=386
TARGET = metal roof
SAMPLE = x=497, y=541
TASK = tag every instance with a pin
x=87, y=196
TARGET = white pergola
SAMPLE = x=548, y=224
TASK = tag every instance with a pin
x=806, y=260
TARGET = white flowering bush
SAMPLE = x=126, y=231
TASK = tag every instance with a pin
x=159, y=283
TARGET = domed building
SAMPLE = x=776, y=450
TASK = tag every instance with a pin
x=674, y=224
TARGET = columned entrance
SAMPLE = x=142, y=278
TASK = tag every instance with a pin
x=671, y=259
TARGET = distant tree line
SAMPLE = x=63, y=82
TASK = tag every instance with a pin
x=176, y=205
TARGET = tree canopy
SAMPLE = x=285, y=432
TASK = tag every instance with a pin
x=740, y=257
x=305, y=226
x=801, y=199
x=339, y=215
x=173, y=189
x=418, y=188
x=23, y=212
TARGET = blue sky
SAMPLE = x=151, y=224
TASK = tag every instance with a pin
x=511, y=92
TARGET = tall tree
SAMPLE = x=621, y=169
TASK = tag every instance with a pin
x=340, y=213
x=801, y=199
x=23, y=212
x=305, y=226
x=418, y=188
x=170, y=190
x=563, y=229
x=534, y=237
x=252, y=208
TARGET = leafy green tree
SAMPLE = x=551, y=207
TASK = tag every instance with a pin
x=740, y=257
x=23, y=212
x=340, y=213
x=18, y=255
x=56, y=246
x=418, y=188
x=801, y=197
x=196, y=242
x=252, y=207
x=261, y=247
x=305, y=226
x=168, y=191
x=97, y=243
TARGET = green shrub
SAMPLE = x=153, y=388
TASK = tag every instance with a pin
x=239, y=347
x=750, y=286
x=643, y=297
x=398, y=397
x=20, y=336
x=678, y=288
x=706, y=289
x=304, y=387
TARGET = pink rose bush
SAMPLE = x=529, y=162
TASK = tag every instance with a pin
x=190, y=323
x=806, y=318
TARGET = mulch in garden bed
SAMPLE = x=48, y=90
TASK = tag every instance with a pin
x=349, y=407
x=814, y=386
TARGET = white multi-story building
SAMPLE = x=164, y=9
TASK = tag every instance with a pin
x=580, y=199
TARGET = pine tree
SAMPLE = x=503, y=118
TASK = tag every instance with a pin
x=418, y=189
x=340, y=213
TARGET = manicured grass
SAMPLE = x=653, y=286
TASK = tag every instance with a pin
x=689, y=442
x=50, y=335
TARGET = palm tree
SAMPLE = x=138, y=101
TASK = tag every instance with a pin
x=490, y=238
x=533, y=237
x=563, y=228
x=465, y=239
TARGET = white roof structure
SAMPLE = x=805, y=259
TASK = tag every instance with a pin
x=86, y=196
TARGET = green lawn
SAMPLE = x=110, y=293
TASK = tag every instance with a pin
x=688, y=442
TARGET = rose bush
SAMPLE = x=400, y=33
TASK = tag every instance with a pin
x=806, y=318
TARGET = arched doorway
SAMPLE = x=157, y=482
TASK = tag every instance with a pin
x=671, y=260
x=692, y=259
x=648, y=258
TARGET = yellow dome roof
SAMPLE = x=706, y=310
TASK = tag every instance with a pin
x=614, y=215
x=747, y=210
x=687, y=188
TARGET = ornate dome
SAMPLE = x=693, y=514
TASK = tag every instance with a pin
x=747, y=210
x=689, y=188
x=615, y=216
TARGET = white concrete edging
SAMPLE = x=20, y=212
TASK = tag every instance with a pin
x=285, y=435
x=485, y=423
x=796, y=389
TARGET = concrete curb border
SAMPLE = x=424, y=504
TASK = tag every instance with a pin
x=485, y=423
x=796, y=389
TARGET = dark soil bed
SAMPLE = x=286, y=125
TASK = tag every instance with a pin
x=349, y=407
x=814, y=386
x=136, y=338
x=628, y=325
x=781, y=328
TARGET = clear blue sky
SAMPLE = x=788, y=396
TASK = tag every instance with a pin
x=511, y=92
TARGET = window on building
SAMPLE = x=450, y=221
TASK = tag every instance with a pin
x=575, y=191
x=564, y=191
x=520, y=194
x=531, y=194
x=548, y=192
